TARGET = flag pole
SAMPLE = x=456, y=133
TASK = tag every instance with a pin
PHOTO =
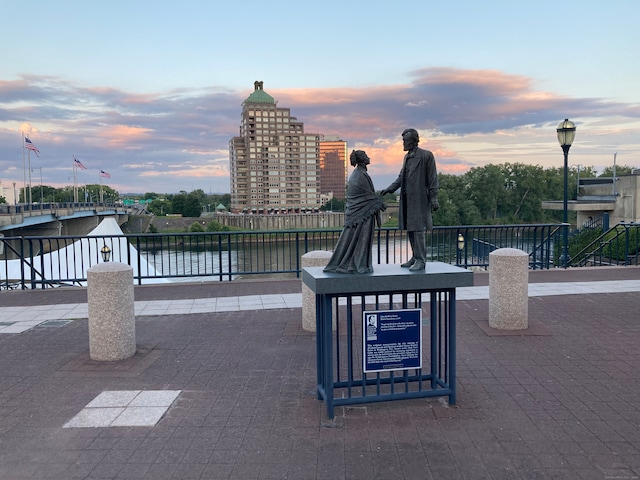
x=101, y=192
x=75, y=180
x=29, y=160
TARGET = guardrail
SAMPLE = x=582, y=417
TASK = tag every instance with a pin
x=620, y=245
x=47, y=207
x=41, y=262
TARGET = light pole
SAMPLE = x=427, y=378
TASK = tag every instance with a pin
x=41, y=195
x=566, y=133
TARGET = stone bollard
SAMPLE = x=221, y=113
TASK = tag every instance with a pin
x=112, y=327
x=316, y=258
x=509, y=289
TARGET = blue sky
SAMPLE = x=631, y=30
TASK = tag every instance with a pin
x=151, y=92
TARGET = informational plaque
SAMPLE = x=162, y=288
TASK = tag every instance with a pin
x=392, y=340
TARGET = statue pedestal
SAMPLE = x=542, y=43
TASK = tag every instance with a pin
x=344, y=374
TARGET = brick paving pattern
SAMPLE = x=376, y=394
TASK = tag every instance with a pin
x=561, y=402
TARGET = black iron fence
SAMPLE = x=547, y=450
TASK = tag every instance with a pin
x=619, y=245
x=45, y=261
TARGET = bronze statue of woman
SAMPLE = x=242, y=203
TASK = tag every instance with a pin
x=354, y=251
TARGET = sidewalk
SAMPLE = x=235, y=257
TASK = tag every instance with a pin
x=22, y=310
x=233, y=391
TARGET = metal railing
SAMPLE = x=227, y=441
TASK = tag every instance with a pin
x=48, y=207
x=46, y=261
x=619, y=245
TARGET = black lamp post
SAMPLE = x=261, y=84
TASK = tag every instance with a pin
x=566, y=134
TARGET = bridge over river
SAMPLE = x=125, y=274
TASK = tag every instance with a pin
x=65, y=218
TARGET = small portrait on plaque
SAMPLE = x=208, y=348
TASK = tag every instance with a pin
x=372, y=326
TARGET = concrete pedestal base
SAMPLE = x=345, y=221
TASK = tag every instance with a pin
x=509, y=289
x=316, y=258
x=112, y=327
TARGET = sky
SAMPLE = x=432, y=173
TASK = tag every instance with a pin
x=151, y=92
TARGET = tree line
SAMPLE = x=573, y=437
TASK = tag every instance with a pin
x=190, y=204
x=508, y=193
x=49, y=194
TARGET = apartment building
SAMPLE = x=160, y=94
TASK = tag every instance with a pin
x=274, y=164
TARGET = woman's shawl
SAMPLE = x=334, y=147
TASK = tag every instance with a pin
x=362, y=201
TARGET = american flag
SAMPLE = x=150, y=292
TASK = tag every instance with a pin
x=28, y=144
x=104, y=174
x=78, y=164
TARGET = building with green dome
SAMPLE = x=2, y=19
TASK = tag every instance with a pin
x=274, y=164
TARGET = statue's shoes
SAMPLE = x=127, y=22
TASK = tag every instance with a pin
x=417, y=266
x=408, y=263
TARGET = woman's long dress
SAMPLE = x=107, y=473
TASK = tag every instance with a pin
x=353, y=252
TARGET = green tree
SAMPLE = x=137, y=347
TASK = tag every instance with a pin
x=178, y=202
x=214, y=226
x=486, y=188
x=159, y=207
x=196, y=227
x=524, y=192
x=199, y=194
x=449, y=198
x=2, y=199
x=93, y=192
x=193, y=204
x=456, y=208
x=620, y=170
x=334, y=205
x=64, y=194
x=188, y=205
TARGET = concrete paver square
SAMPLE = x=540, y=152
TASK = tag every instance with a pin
x=120, y=408
x=114, y=398
x=139, y=417
x=94, y=417
x=155, y=398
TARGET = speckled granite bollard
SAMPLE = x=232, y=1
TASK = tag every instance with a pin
x=509, y=289
x=316, y=258
x=112, y=325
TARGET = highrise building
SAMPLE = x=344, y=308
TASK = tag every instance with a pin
x=333, y=167
x=274, y=164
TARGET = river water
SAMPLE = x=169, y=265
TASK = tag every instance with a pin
x=186, y=265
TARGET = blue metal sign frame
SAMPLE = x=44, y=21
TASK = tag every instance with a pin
x=340, y=301
x=391, y=340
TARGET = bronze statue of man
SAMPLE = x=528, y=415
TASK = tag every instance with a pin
x=418, y=183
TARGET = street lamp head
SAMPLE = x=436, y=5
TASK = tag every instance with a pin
x=106, y=253
x=566, y=132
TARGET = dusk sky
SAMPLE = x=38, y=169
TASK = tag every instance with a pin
x=151, y=92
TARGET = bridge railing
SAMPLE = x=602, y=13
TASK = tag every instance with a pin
x=47, y=207
x=46, y=261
